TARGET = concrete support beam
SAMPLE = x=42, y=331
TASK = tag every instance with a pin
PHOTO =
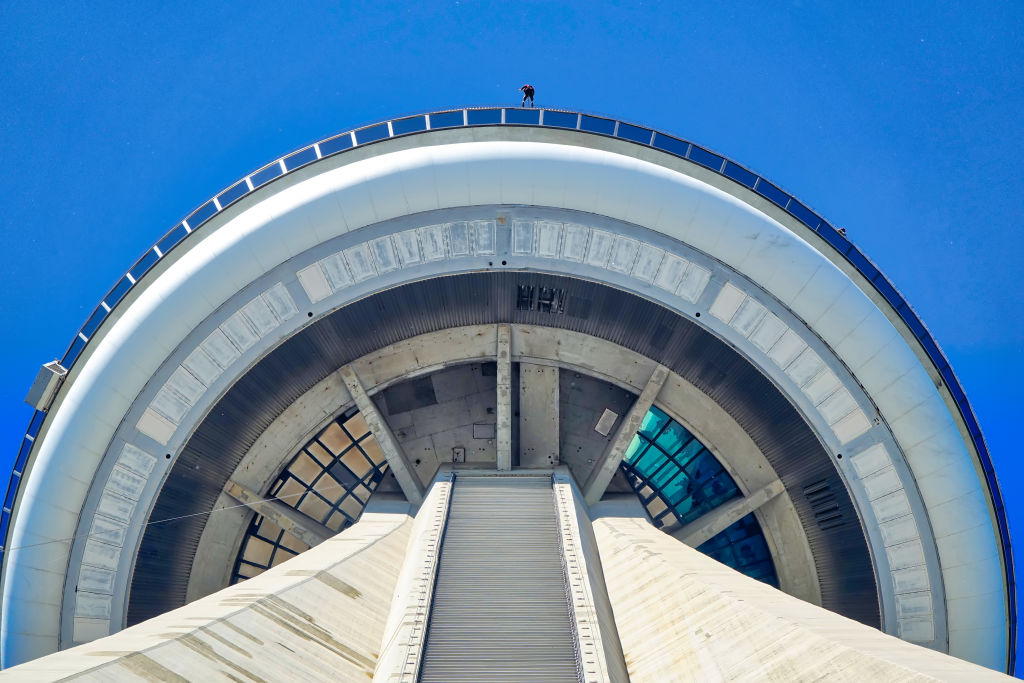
x=708, y=526
x=397, y=459
x=317, y=617
x=298, y=524
x=605, y=468
x=538, y=415
x=504, y=417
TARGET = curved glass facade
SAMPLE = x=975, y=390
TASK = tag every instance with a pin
x=678, y=480
x=330, y=481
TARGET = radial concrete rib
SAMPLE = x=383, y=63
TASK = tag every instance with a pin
x=401, y=649
x=295, y=522
x=605, y=468
x=538, y=415
x=708, y=526
x=317, y=617
x=397, y=459
x=692, y=618
x=504, y=416
x=596, y=635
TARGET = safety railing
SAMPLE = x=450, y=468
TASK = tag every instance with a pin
x=470, y=117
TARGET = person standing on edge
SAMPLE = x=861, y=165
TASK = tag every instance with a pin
x=527, y=93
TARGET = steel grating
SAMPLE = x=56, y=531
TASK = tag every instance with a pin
x=500, y=611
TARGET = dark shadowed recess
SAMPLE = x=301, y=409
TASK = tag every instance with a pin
x=836, y=538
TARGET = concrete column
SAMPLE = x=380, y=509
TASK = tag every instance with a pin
x=298, y=524
x=706, y=527
x=538, y=415
x=397, y=460
x=504, y=417
x=608, y=464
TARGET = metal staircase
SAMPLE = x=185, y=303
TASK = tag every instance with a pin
x=499, y=610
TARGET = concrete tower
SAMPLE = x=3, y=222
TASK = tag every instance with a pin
x=585, y=401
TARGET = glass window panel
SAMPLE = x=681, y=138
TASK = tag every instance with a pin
x=320, y=453
x=345, y=477
x=522, y=116
x=229, y=195
x=372, y=450
x=257, y=551
x=479, y=117
x=766, y=189
x=329, y=489
x=740, y=174
x=666, y=473
x=671, y=144
x=446, y=119
x=142, y=266
x=201, y=214
x=362, y=493
x=597, y=125
x=300, y=158
x=677, y=489
x=317, y=483
x=412, y=124
x=650, y=463
x=305, y=468
x=372, y=134
x=268, y=529
x=335, y=438
x=652, y=423
x=281, y=556
x=337, y=522
x=291, y=491
x=264, y=176
x=634, y=448
x=356, y=426
x=559, y=119
x=355, y=461
x=656, y=507
x=705, y=158
x=634, y=133
x=689, y=451
x=673, y=437
x=351, y=507
x=168, y=241
x=291, y=543
x=316, y=507
x=334, y=145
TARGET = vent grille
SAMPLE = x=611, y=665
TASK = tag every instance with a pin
x=824, y=504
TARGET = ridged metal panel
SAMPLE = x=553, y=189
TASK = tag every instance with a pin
x=840, y=553
x=499, y=610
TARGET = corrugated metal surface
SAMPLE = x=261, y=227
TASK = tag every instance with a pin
x=165, y=559
x=499, y=611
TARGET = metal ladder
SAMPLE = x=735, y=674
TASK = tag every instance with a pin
x=499, y=610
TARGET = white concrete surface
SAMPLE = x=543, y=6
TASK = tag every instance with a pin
x=317, y=617
x=690, y=618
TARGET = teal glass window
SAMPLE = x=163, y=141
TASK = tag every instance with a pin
x=678, y=480
x=742, y=547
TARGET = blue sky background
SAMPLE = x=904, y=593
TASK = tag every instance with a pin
x=903, y=122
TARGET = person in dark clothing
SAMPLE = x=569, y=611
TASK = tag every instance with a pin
x=527, y=94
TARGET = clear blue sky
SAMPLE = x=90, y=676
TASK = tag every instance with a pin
x=903, y=122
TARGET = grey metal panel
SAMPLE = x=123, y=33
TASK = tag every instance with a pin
x=840, y=552
x=499, y=610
